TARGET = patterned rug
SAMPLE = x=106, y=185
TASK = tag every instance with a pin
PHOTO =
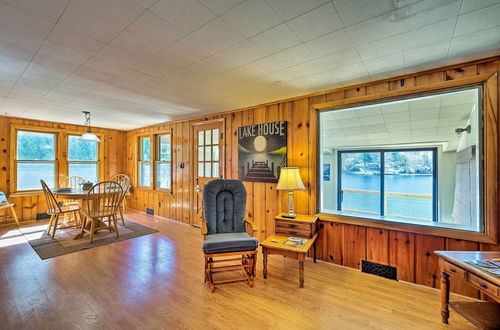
x=63, y=243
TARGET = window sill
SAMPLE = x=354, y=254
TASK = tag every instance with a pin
x=25, y=193
x=433, y=228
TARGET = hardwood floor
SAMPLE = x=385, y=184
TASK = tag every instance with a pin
x=156, y=281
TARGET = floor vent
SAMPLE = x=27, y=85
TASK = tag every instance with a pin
x=386, y=271
x=150, y=211
x=42, y=216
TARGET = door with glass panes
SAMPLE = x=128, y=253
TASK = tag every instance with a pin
x=208, y=161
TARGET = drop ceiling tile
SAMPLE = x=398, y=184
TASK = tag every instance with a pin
x=120, y=12
x=395, y=107
x=276, y=39
x=423, y=133
x=430, y=54
x=428, y=34
x=118, y=56
x=397, y=117
x=92, y=26
x=288, y=9
x=351, y=122
x=427, y=12
x=368, y=112
x=296, y=71
x=145, y=3
x=316, y=23
x=21, y=28
x=368, y=120
x=293, y=56
x=313, y=82
x=377, y=28
x=475, y=43
x=154, y=29
x=385, y=64
x=341, y=59
x=461, y=111
x=424, y=114
x=425, y=103
x=425, y=123
x=219, y=7
x=70, y=38
x=345, y=114
x=49, y=10
x=468, y=6
x=380, y=48
x=398, y=133
x=400, y=123
x=135, y=45
x=353, y=12
x=469, y=98
x=252, y=17
x=374, y=129
x=14, y=58
x=186, y=15
x=477, y=20
x=350, y=73
x=331, y=43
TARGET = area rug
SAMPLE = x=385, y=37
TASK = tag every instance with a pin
x=63, y=243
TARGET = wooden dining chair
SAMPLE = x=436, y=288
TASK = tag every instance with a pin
x=102, y=203
x=125, y=184
x=71, y=182
x=54, y=209
x=118, y=178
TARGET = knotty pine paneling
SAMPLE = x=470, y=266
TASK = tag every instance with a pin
x=338, y=243
x=28, y=205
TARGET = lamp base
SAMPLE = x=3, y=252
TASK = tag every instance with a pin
x=289, y=216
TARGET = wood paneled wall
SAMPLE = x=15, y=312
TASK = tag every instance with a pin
x=29, y=204
x=343, y=244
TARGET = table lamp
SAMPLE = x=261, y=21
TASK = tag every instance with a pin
x=290, y=181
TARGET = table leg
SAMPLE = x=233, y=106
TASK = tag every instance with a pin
x=264, y=262
x=314, y=251
x=445, y=297
x=301, y=270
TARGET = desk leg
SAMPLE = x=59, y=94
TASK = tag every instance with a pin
x=445, y=297
x=301, y=258
x=264, y=262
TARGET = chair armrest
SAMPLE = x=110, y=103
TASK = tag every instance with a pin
x=204, y=229
x=251, y=227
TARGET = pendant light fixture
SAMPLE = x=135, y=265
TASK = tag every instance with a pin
x=89, y=136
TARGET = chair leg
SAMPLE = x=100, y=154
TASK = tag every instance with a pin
x=14, y=214
x=254, y=266
x=84, y=224
x=205, y=270
x=56, y=219
x=92, y=228
x=121, y=215
x=50, y=223
x=115, y=223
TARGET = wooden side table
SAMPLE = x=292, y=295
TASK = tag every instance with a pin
x=484, y=315
x=303, y=226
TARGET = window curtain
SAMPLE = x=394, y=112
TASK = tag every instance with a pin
x=465, y=205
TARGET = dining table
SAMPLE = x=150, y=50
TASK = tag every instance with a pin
x=76, y=194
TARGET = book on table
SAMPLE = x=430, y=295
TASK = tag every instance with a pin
x=295, y=241
x=491, y=266
x=3, y=199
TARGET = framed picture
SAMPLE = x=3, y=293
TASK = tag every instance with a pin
x=262, y=151
x=326, y=172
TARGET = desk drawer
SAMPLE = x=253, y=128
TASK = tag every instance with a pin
x=454, y=270
x=483, y=285
x=293, y=225
x=293, y=232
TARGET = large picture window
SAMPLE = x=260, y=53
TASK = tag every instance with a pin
x=395, y=183
x=35, y=159
x=416, y=160
x=82, y=158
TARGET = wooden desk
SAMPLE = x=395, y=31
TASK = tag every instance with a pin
x=485, y=315
x=299, y=253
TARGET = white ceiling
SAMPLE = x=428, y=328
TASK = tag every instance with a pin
x=134, y=63
x=426, y=120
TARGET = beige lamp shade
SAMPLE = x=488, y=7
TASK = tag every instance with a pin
x=290, y=179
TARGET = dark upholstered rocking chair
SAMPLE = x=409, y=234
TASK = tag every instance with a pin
x=225, y=231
